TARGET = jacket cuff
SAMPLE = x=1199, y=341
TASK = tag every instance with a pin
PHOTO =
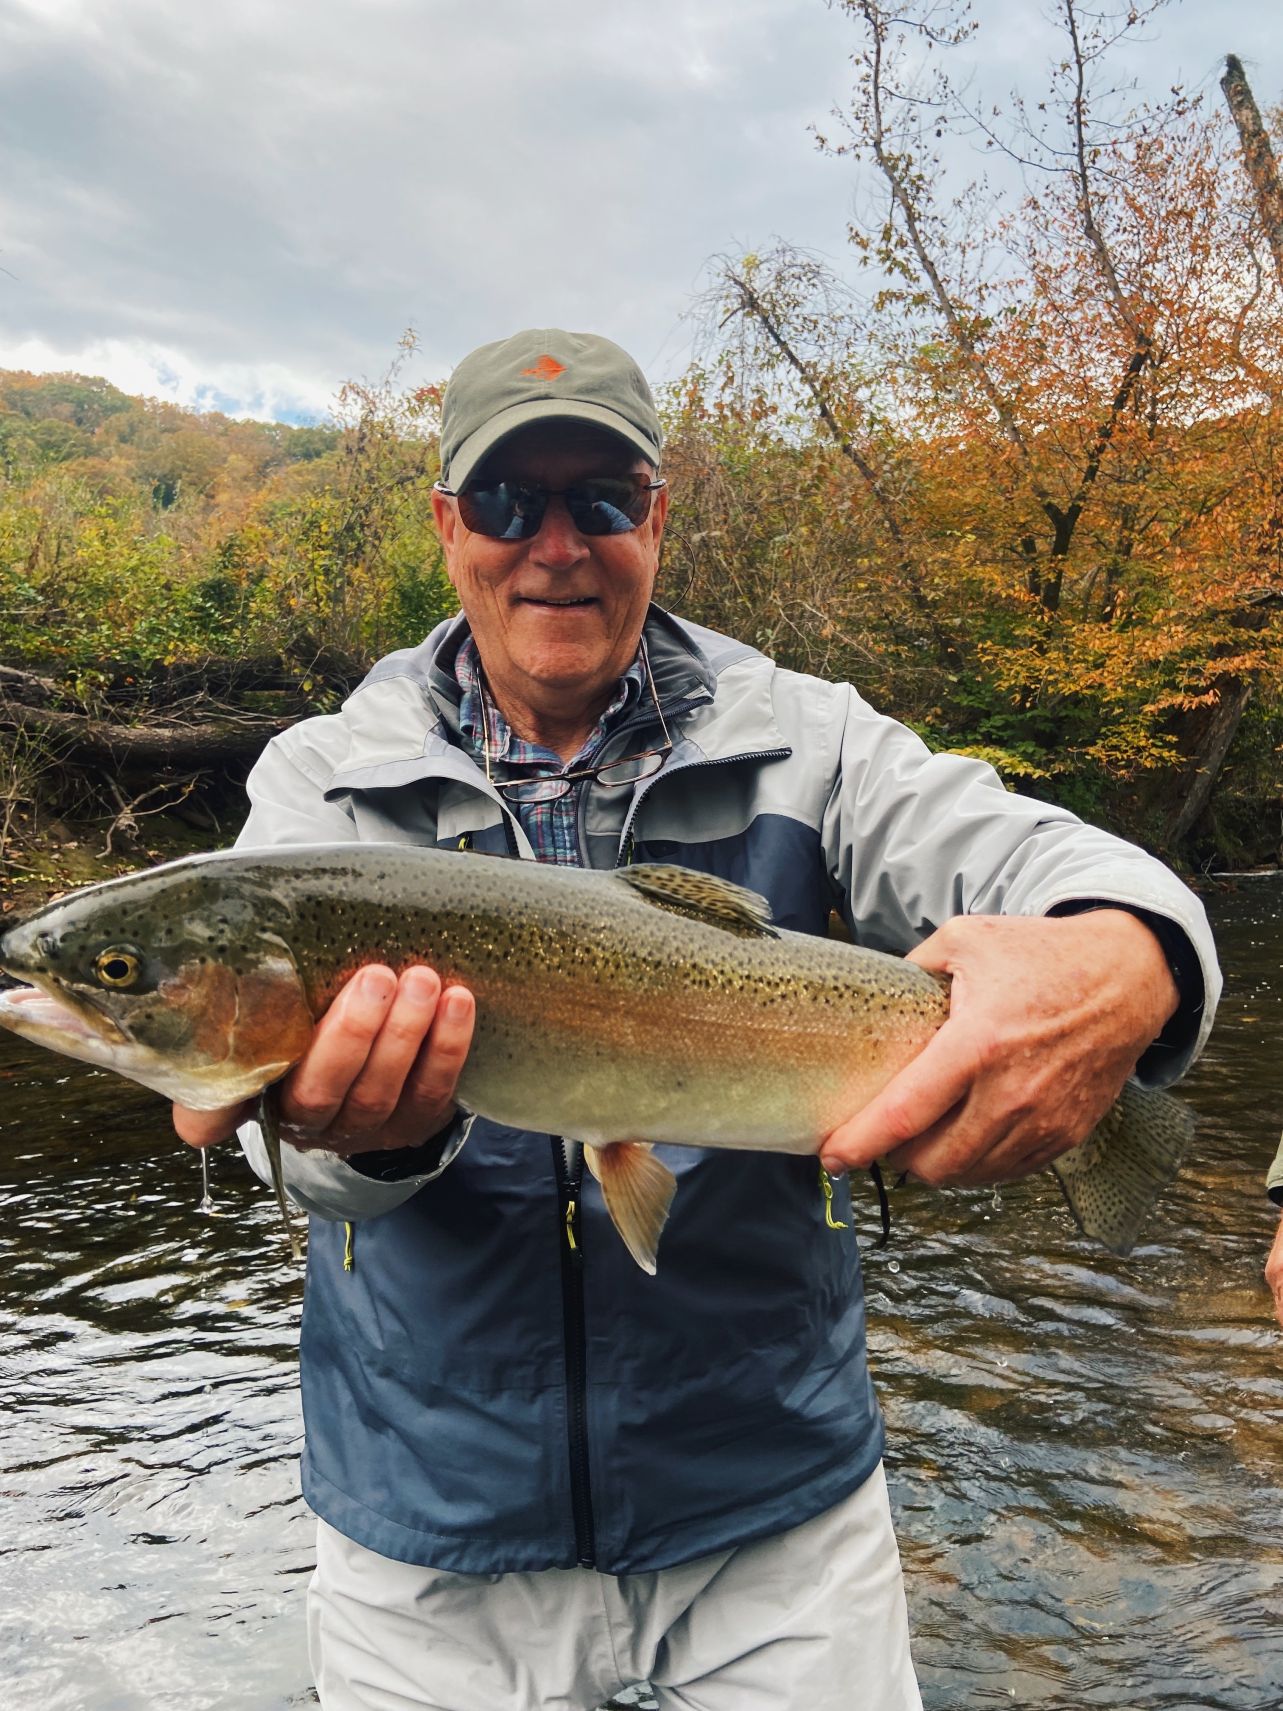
x=428, y=1160
x=1181, y=1030
x=1274, y=1177
x=330, y=1187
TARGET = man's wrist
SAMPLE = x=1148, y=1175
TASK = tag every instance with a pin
x=395, y=1164
x=1180, y=1030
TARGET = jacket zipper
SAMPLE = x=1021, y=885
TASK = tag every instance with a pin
x=570, y=1174
x=624, y=859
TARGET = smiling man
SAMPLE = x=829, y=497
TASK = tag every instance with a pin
x=541, y=1474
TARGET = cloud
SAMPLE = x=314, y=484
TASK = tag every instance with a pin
x=287, y=187
x=268, y=392
x=254, y=200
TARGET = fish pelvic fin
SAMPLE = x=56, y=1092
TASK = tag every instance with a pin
x=1113, y=1178
x=638, y=1190
x=702, y=897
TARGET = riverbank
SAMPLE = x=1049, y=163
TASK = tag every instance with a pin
x=43, y=858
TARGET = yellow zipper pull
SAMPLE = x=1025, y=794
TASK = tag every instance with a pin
x=826, y=1183
x=570, y=1226
x=349, y=1258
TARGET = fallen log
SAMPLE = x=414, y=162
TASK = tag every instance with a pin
x=211, y=742
x=27, y=686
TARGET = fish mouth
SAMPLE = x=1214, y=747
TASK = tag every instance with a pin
x=41, y=1011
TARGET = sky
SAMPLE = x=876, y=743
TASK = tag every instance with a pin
x=240, y=206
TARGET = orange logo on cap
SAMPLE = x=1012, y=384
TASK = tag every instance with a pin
x=547, y=368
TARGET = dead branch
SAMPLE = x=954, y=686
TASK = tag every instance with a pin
x=1258, y=156
x=126, y=821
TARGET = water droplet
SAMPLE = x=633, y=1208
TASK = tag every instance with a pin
x=206, y=1203
x=996, y=1202
x=893, y=1265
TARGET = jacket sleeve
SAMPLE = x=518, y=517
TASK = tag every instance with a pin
x=336, y=1189
x=1274, y=1177
x=913, y=838
x=288, y=806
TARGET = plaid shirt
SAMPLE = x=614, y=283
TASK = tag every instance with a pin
x=552, y=827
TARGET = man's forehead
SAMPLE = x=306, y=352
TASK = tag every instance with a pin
x=554, y=447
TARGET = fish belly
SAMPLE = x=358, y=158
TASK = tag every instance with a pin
x=693, y=1081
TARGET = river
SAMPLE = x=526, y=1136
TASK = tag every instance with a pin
x=1085, y=1451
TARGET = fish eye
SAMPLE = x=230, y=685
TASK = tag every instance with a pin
x=118, y=966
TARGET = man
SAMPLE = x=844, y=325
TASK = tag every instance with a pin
x=540, y=1473
x=1274, y=1264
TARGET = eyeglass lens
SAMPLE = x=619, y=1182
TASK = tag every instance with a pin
x=625, y=771
x=514, y=510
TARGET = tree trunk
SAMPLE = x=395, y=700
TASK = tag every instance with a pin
x=1210, y=756
x=1258, y=156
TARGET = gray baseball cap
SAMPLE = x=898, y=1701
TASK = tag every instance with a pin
x=542, y=375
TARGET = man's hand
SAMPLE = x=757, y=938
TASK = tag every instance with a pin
x=380, y=1072
x=1048, y=1016
x=1274, y=1272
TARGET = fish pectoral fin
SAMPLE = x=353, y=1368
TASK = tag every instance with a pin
x=1113, y=1179
x=702, y=896
x=638, y=1190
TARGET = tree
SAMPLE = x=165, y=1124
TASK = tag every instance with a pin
x=1058, y=407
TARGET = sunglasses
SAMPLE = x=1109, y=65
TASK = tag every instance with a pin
x=514, y=510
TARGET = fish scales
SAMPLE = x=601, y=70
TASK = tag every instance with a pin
x=663, y=1027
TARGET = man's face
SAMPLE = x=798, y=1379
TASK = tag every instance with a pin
x=560, y=614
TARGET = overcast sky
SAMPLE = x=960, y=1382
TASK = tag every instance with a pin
x=240, y=205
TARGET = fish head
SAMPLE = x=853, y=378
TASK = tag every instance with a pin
x=180, y=978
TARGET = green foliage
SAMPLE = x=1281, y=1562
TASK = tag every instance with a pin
x=135, y=531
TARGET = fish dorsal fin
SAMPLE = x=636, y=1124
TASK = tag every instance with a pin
x=702, y=897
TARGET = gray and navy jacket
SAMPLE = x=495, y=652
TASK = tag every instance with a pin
x=493, y=1384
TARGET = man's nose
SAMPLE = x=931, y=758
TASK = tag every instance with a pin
x=558, y=543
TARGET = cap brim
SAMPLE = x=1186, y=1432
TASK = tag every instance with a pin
x=477, y=447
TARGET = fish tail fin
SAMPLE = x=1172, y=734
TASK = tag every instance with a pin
x=638, y=1190
x=1113, y=1179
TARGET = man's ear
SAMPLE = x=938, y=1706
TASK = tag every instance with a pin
x=447, y=518
x=658, y=516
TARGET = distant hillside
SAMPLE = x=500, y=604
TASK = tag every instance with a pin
x=123, y=443
x=132, y=529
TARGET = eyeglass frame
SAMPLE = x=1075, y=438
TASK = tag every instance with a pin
x=567, y=778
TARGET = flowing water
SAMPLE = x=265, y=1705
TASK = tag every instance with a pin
x=1085, y=1451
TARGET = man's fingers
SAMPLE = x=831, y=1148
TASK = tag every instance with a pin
x=316, y=1087
x=383, y=1066
x=207, y=1128
x=377, y=1088
x=924, y=1092
x=430, y=1088
x=964, y=1151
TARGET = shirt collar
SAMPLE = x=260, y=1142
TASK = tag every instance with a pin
x=487, y=734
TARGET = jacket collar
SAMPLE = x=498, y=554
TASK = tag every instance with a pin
x=403, y=719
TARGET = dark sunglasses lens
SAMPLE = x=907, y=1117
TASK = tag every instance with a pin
x=506, y=511
x=608, y=506
x=512, y=511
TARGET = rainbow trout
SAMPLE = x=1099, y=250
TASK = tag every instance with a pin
x=652, y=1004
